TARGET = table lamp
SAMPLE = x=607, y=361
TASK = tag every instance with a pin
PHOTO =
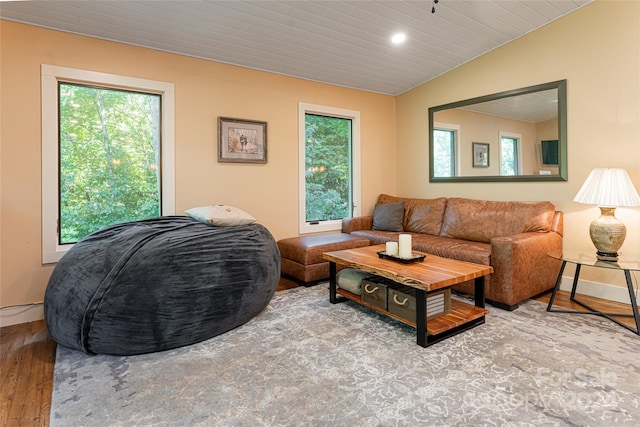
x=608, y=189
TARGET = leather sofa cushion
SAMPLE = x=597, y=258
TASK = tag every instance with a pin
x=481, y=220
x=308, y=250
x=420, y=215
x=463, y=250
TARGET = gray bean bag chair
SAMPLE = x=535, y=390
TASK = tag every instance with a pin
x=158, y=284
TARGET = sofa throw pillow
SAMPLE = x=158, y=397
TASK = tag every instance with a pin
x=420, y=215
x=388, y=217
x=220, y=215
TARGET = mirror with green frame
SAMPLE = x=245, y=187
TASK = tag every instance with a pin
x=516, y=135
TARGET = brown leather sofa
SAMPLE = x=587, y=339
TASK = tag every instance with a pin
x=513, y=237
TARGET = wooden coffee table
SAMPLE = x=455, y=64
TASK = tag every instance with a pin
x=431, y=274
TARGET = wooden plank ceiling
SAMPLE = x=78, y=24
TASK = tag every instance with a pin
x=345, y=43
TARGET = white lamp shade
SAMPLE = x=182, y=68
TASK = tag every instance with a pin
x=608, y=187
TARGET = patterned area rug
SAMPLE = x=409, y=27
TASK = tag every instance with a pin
x=306, y=362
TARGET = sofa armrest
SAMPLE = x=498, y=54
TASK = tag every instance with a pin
x=558, y=223
x=357, y=223
x=522, y=268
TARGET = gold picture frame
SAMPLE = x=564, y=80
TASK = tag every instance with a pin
x=480, y=155
x=242, y=141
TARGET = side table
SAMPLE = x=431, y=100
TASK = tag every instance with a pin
x=591, y=261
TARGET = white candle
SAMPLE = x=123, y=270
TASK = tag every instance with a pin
x=392, y=248
x=404, y=246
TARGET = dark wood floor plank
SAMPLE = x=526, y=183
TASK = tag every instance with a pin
x=41, y=376
x=25, y=382
x=48, y=360
x=26, y=366
x=12, y=340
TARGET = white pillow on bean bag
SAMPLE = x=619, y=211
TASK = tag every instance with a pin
x=221, y=215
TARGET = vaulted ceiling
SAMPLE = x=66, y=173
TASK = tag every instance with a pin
x=345, y=43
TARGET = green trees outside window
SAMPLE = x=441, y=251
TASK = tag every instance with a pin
x=327, y=167
x=109, y=172
x=444, y=153
x=508, y=156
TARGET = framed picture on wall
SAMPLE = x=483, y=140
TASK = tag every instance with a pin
x=480, y=155
x=242, y=141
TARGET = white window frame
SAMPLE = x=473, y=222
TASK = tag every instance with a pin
x=50, y=75
x=518, y=138
x=331, y=225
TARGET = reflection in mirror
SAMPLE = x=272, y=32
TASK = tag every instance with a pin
x=522, y=133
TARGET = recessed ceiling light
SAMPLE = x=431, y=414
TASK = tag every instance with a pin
x=398, y=38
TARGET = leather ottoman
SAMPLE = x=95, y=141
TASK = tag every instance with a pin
x=302, y=256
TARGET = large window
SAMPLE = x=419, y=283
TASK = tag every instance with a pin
x=107, y=153
x=445, y=142
x=109, y=148
x=509, y=154
x=329, y=167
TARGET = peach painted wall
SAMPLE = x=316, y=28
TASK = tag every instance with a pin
x=203, y=91
x=597, y=49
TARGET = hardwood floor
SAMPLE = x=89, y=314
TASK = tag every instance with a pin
x=28, y=356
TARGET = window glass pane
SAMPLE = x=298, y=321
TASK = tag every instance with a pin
x=327, y=167
x=109, y=142
x=444, y=153
x=508, y=156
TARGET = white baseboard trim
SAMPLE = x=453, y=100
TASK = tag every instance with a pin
x=21, y=314
x=598, y=290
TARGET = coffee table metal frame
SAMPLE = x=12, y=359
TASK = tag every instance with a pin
x=424, y=339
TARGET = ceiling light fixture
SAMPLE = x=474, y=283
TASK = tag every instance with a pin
x=398, y=38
